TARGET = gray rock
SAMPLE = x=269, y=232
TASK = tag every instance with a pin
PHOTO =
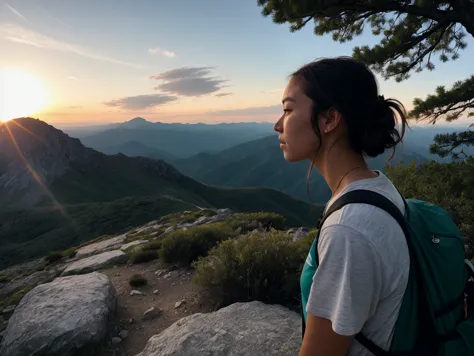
x=116, y=340
x=68, y=316
x=32, y=280
x=103, y=246
x=156, y=291
x=151, y=313
x=123, y=334
x=133, y=244
x=136, y=292
x=241, y=329
x=297, y=234
x=94, y=263
x=224, y=212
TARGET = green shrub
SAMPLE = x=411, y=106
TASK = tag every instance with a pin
x=15, y=298
x=154, y=245
x=142, y=256
x=4, y=278
x=137, y=280
x=262, y=266
x=54, y=257
x=185, y=246
x=250, y=221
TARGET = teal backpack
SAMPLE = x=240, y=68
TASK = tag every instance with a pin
x=437, y=313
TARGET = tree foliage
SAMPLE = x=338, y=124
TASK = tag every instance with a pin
x=450, y=186
x=411, y=32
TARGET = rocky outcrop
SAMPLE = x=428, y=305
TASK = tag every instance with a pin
x=68, y=316
x=17, y=284
x=102, y=246
x=135, y=244
x=241, y=329
x=94, y=263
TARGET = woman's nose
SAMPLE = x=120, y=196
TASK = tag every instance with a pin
x=278, y=125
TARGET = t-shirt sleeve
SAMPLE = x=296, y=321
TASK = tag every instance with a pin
x=347, y=284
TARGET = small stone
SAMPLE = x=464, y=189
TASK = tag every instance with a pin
x=159, y=272
x=136, y=292
x=179, y=303
x=151, y=313
x=173, y=284
x=156, y=291
x=116, y=340
x=123, y=334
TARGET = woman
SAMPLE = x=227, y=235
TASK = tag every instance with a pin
x=334, y=116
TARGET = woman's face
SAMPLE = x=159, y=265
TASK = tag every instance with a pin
x=298, y=140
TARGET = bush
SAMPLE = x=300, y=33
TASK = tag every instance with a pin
x=4, y=278
x=185, y=246
x=250, y=221
x=137, y=280
x=261, y=266
x=142, y=256
x=54, y=257
x=154, y=245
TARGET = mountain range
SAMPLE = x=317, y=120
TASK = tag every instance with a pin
x=240, y=154
x=56, y=193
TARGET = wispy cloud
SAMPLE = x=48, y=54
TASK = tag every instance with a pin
x=256, y=111
x=163, y=52
x=16, y=12
x=189, y=81
x=223, y=94
x=72, y=78
x=141, y=101
x=20, y=34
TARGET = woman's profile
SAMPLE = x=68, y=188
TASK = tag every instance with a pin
x=335, y=117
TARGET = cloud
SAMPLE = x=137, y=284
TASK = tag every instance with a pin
x=141, y=101
x=189, y=81
x=20, y=34
x=72, y=78
x=251, y=111
x=161, y=51
x=15, y=11
x=223, y=94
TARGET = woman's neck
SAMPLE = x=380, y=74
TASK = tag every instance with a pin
x=340, y=167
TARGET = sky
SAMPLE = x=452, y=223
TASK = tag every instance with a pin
x=170, y=60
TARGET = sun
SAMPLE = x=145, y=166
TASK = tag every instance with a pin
x=21, y=94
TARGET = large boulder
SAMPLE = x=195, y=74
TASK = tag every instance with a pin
x=94, y=263
x=68, y=316
x=241, y=329
x=113, y=243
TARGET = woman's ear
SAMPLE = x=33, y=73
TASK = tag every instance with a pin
x=330, y=120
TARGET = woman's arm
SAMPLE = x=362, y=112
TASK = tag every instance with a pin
x=321, y=340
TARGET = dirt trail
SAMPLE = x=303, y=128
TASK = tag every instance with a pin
x=130, y=309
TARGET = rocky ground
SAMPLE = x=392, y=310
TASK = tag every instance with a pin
x=169, y=291
x=69, y=294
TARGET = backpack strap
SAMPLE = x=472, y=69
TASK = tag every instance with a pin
x=361, y=196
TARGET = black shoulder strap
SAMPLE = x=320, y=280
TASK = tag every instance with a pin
x=367, y=197
x=362, y=196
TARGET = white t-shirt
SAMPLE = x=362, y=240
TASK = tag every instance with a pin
x=363, y=268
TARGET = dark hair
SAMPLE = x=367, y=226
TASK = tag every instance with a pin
x=350, y=87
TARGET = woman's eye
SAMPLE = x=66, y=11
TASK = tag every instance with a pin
x=286, y=111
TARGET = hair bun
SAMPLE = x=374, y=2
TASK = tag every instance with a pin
x=380, y=132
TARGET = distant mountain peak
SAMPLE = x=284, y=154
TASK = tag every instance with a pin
x=34, y=155
x=138, y=120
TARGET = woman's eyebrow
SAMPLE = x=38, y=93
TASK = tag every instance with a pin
x=288, y=98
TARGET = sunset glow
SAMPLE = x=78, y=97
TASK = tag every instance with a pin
x=21, y=94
